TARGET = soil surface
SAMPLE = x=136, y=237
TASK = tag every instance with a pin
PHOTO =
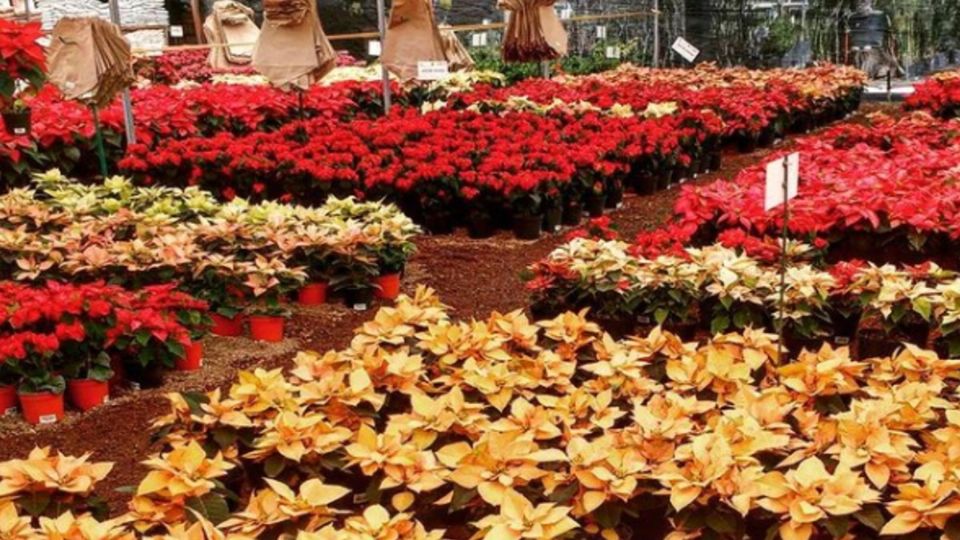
x=474, y=277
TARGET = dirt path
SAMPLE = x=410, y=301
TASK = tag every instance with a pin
x=474, y=277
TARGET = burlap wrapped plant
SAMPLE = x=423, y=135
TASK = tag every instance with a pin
x=534, y=32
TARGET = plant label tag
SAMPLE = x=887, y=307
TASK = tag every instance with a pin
x=176, y=31
x=643, y=319
x=432, y=71
x=20, y=131
x=613, y=52
x=601, y=32
x=842, y=340
x=135, y=386
x=359, y=307
x=686, y=49
x=374, y=48
x=48, y=419
x=785, y=170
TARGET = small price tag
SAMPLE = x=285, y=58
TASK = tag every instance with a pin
x=20, y=131
x=614, y=52
x=601, y=32
x=432, y=71
x=48, y=419
x=686, y=49
x=176, y=31
x=374, y=48
x=359, y=307
x=842, y=340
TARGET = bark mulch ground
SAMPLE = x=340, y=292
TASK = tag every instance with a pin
x=474, y=277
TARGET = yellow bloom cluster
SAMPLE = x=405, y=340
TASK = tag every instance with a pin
x=426, y=427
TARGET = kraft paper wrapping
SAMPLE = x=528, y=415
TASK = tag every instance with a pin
x=89, y=60
x=458, y=57
x=412, y=37
x=534, y=32
x=294, y=56
x=230, y=24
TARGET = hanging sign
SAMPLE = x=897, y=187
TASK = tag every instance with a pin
x=432, y=71
x=614, y=53
x=686, y=49
x=601, y=32
x=785, y=169
x=374, y=48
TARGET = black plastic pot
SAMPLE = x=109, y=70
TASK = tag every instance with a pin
x=663, y=179
x=703, y=164
x=438, y=223
x=595, y=205
x=527, y=227
x=614, y=198
x=17, y=123
x=716, y=160
x=359, y=299
x=747, y=143
x=796, y=343
x=481, y=225
x=551, y=220
x=150, y=376
x=572, y=214
x=874, y=344
x=646, y=184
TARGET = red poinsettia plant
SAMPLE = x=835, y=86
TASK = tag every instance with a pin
x=21, y=60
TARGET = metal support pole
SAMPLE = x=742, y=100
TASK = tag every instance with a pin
x=656, y=33
x=127, y=102
x=382, y=25
x=783, y=253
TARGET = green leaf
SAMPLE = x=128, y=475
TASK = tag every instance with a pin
x=34, y=504
x=274, y=465
x=373, y=493
x=461, y=497
x=608, y=515
x=565, y=493
x=211, y=506
x=660, y=315
x=225, y=437
x=838, y=526
x=923, y=307
x=719, y=324
x=871, y=516
x=722, y=522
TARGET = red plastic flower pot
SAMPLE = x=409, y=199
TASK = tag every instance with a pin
x=193, y=359
x=269, y=329
x=86, y=394
x=8, y=400
x=314, y=294
x=225, y=327
x=389, y=286
x=42, y=408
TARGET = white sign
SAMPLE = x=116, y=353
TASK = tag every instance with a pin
x=614, y=52
x=479, y=40
x=374, y=48
x=788, y=166
x=176, y=31
x=601, y=32
x=432, y=71
x=566, y=13
x=686, y=49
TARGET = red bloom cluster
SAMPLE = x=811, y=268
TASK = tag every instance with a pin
x=939, y=94
x=36, y=321
x=893, y=180
x=21, y=57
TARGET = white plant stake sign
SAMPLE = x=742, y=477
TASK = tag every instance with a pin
x=686, y=49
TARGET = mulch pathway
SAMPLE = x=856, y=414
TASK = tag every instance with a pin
x=474, y=277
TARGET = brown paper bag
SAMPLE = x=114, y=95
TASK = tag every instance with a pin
x=458, y=57
x=294, y=55
x=89, y=60
x=534, y=32
x=412, y=37
x=230, y=28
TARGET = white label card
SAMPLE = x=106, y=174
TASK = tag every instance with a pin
x=432, y=71
x=374, y=48
x=686, y=49
x=614, y=52
x=774, y=193
x=176, y=31
x=566, y=13
x=601, y=32
x=48, y=419
x=479, y=40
